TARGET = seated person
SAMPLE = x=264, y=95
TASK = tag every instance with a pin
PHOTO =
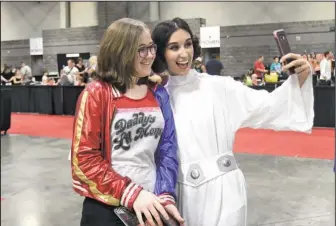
x=81, y=79
x=247, y=80
x=45, y=78
x=276, y=66
x=17, y=78
x=63, y=79
x=255, y=80
x=50, y=82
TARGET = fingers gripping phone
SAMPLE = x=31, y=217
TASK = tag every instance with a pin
x=129, y=217
x=283, y=46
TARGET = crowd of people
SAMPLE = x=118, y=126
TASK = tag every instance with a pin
x=74, y=74
x=21, y=75
x=323, y=67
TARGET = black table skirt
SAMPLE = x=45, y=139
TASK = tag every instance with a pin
x=56, y=100
x=61, y=100
x=5, y=109
x=324, y=106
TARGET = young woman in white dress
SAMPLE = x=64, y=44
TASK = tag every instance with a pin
x=208, y=111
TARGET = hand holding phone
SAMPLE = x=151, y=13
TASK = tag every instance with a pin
x=129, y=218
x=283, y=46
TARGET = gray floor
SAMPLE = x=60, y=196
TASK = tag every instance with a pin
x=36, y=186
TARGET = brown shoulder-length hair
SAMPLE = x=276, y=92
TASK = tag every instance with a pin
x=117, y=53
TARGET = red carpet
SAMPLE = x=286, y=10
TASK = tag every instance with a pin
x=54, y=126
x=320, y=144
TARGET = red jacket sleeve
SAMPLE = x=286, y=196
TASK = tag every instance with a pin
x=92, y=173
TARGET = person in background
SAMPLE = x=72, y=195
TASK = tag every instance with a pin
x=86, y=77
x=91, y=68
x=276, y=66
x=312, y=61
x=45, y=78
x=92, y=76
x=214, y=67
x=17, y=78
x=199, y=66
x=259, y=67
x=82, y=79
x=7, y=72
x=51, y=82
x=319, y=58
x=26, y=73
x=255, y=80
x=325, y=66
x=310, y=58
x=70, y=71
x=92, y=64
x=208, y=111
x=124, y=140
x=247, y=78
x=64, y=79
x=80, y=66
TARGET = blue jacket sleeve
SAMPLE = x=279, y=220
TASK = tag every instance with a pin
x=166, y=153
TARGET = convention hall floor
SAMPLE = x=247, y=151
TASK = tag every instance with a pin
x=36, y=186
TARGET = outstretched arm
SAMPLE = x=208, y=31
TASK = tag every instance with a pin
x=288, y=107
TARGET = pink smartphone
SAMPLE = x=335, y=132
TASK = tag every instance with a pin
x=283, y=46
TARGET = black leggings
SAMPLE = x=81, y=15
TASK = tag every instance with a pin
x=95, y=213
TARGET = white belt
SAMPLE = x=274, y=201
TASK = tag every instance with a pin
x=199, y=172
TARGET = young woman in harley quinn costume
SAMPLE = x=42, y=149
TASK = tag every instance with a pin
x=124, y=149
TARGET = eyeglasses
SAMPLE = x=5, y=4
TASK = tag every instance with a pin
x=143, y=51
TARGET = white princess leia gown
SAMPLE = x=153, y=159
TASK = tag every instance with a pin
x=208, y=111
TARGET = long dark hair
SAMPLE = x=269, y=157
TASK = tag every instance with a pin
x=161, y=35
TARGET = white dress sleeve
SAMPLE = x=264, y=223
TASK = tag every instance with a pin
x=288, y=107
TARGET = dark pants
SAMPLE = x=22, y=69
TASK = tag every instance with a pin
x=95, y=213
